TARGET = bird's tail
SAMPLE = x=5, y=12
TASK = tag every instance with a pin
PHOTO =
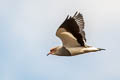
x=101, y=49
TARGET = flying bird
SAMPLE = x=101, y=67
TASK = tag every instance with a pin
x=71, y=32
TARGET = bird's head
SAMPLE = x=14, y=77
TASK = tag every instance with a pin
x=52, y=51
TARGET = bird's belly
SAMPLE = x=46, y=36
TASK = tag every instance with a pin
x=81, y=50
x=76, y=50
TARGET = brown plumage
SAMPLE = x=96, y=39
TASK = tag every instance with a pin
x=71, y=32
x=75, y=26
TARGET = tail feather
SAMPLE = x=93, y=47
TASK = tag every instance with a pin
x=101, y=49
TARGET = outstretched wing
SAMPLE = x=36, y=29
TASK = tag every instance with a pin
x=71, y=31
x=80, y=22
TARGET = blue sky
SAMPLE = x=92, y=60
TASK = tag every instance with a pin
x=27, y=32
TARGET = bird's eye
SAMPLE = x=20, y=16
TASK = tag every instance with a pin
x=51, y=50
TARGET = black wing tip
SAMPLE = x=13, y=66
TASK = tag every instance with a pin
x=77, y=13
x=67, y=17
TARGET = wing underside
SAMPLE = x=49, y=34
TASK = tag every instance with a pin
x=67, y=38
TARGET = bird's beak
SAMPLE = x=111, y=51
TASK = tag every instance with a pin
x=49, y=53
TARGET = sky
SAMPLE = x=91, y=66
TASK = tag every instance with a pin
x=27, y=32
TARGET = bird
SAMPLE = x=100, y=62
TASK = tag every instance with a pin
x=71, y=33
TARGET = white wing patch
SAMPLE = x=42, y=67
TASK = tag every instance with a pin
x=67, y=38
